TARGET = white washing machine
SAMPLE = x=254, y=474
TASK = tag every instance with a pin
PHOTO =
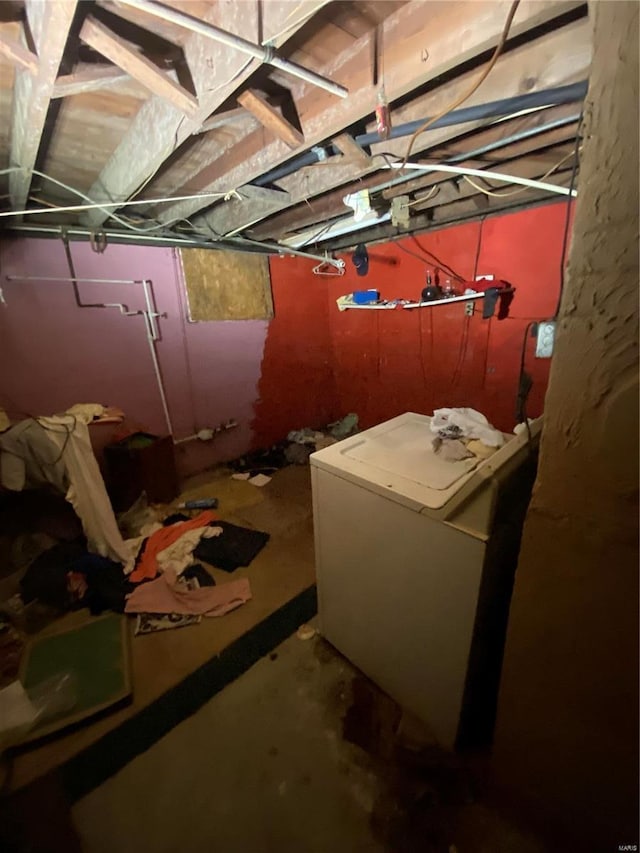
x=415, y=558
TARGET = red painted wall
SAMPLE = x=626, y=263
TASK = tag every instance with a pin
x=297, y=386
x=389, y=362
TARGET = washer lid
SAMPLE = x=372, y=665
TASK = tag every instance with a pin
x=395, y=458
x=404, y=449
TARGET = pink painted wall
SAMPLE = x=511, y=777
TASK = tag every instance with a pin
x=54, y=354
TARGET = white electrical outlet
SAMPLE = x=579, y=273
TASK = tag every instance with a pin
x=545, y=339
x=469, y=308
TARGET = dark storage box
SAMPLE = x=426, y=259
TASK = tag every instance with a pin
x=141, y=463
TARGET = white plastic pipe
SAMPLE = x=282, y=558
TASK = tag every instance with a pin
x=483, y=173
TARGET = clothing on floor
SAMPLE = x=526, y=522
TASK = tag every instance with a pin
x=151, y=623
x=107, y=584
x=174, y=519
x=160, y=596
x=234, y=547
x=200, y=574
x=179, y=555
x=147, y=563
x=46, y=577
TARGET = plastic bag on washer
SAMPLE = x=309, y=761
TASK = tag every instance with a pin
x=465, y=423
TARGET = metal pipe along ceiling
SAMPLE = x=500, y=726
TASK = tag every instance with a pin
x=262, y=53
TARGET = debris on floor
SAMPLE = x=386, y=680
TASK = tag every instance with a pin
x=306, y=632
x=259, y=480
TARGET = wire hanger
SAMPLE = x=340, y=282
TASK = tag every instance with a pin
x=329, y=267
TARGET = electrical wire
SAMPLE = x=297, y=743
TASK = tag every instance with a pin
x=476, y=85
x=524, y=388
x=434, y=191
x=520, y=189
x=441, y=265
x=477, y=258
x=105, y=205
x=429, y=262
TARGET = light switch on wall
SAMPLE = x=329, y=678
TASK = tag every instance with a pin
x=545, y=339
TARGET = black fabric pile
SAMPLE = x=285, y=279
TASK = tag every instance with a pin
x=46, y=577
x=47, y=580
x=107, y=585
x=234, y=547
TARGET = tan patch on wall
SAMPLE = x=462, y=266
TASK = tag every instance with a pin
x=227, y=285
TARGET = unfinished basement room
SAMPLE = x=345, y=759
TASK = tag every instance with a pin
x=319, y=426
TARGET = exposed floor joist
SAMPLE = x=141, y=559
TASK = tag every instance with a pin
x=270, y=118
x=50, y=24
x=88, y=79
x=111, y=46
x=18, y=54
x=331, y=204
x=403, y=40
x=561, y=57
x=159, y=128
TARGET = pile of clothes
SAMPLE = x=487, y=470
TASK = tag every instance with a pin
x=464, y=433
x=164, y=580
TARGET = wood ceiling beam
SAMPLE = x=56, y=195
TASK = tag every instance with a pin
x=217, y=71
x=349, y=148
x=17, y=54
x=50, y=24
x=403, y=40
x=120, y=52
x=88, y=79
x=331, y=204
x=449, y=214
x=226, y=217
x=221, y=119
x=555, y=59
x=270, y=118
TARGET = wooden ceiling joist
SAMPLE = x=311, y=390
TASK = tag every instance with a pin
x=270, y=118
x=330, y=204
x=50, y=24
x=18, y=54
x=558, y=58
x=351, y=151
x=159, y=129
x=221, y=119
x=108, y=44
x=88, y=79
x=227, y=217
x=403, y=39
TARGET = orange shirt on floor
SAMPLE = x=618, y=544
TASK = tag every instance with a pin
x=147, y=567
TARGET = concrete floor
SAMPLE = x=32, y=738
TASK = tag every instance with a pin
x=262, y=768
x=266, y=767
